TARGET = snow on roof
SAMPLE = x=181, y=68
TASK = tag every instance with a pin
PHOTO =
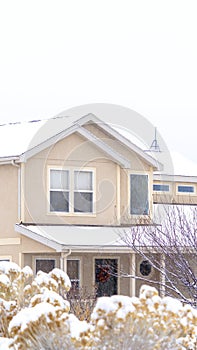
x=60, y=236
x=32, y=137
x=183, y=166
x=17, y=138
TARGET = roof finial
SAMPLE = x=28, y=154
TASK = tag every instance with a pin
x=154, y=145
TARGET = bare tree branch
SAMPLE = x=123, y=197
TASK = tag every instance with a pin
x=173, y=236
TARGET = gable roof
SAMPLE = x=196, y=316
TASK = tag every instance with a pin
x=33, y=137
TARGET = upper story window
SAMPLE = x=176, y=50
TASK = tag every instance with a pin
x=139, y=198
x=161, y=188
x=59, y=190
x=83, y=191
x=71, y=191
x=185, y=189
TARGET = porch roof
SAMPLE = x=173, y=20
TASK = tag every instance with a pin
x=111, y=238
x=77, y=238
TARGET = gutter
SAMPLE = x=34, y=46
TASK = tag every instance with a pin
x=8, y=160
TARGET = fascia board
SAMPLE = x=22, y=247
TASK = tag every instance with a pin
x=121, y=138
x=52, y=140
x=100, y=250
x=76, y=128
x=104, y=147
x=133, y=147
x=174, y=178
x=39, y=238
x=79, y=123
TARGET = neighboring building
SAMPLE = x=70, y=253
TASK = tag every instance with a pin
x=69, y=188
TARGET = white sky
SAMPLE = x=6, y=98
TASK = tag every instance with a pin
x=140, y=54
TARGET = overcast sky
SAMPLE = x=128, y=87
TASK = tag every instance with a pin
x=142, y=55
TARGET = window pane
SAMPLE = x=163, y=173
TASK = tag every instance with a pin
x=162, y=188
x=106, y=277
x=189, y=189
x=83, y=202
x=73, y=269
x=59, y=201
x=83, y=180
x=59, y=179
x=145, y=268
x=45, y=265
x=139, y=194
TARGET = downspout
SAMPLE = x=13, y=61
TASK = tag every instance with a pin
x=63, y=260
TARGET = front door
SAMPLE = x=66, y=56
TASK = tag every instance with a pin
x=106, y=277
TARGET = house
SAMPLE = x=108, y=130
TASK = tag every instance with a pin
x=69, y=190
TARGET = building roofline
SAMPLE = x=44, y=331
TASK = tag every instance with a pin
x=174, y=178
x=77, y=125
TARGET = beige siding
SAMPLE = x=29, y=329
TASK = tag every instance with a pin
x=9, y=200
x=154, y=276
x=137, y=163
x=87, y=270
x=173, y=196
x=75, y=151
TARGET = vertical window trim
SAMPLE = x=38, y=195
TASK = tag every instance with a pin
x=71, y=211
x=129, y=194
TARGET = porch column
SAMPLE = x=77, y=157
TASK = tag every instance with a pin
x=162, y=276
x=133, y=273
x=63, y=260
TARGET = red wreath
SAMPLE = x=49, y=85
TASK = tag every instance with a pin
x=103, y=275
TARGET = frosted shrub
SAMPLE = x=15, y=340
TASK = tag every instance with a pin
x=12, y=282
x=36, y=316
x=16, y=294
x=147, y=322
x=43, y=326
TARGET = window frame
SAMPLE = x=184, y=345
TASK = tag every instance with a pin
x=79, y=267
x=150, y=275
x=72, y=190
x=161, y=184
x=6, y=258
x=112, y=257
x=40, y=257
x=179, y=193
x=129, y=194
x=59, y=190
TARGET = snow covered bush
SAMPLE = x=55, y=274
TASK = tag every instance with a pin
x=12, y=282
x=16, y=294
x=82, y=302
x=148, y=322
x=44, y=326
x=36, y=316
